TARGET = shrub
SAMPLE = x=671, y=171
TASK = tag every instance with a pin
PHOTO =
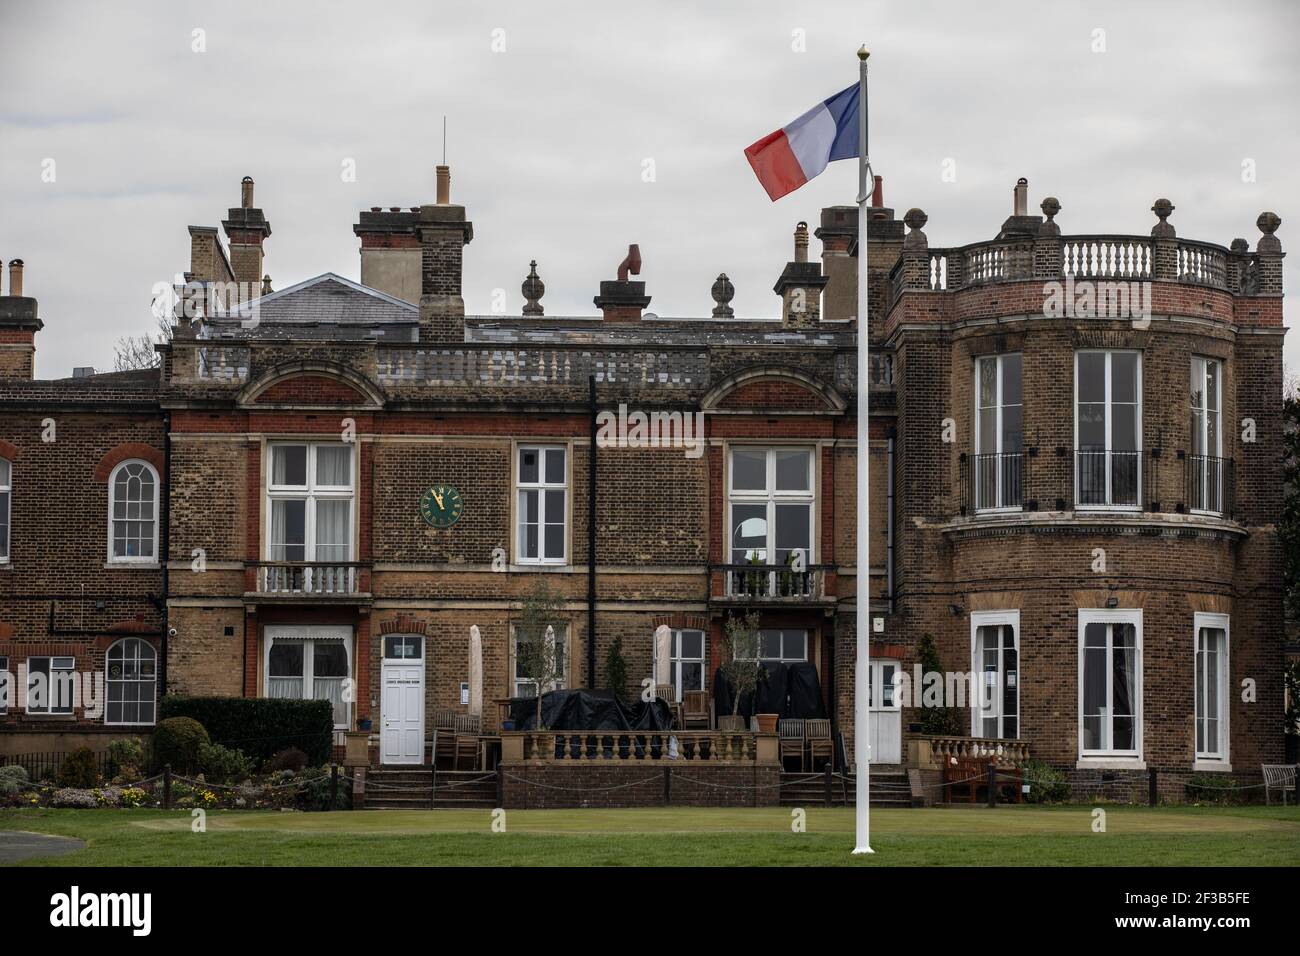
x=935, y=721
x=1046, y=784
x=78, y=769
x=223, y=764
x=13, y=778
x=126, y=755
x=260, y=726
x=1213, y=788
x=291, y=758
x=616, y=669
x=316, y=794
x=176, y=741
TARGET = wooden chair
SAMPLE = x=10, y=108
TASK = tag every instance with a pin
x=967, y=775
x=444, y=742
x=668, y=694
x=791, y=742
x=818, y=734
x=1282, y=777
x=468, y=728
x=696, y=710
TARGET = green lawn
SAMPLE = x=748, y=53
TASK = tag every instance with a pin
x=1016, y=836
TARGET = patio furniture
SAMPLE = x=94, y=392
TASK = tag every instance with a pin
x=967, y=775
x=818, y=734
x=1283, y=777
x=790, y=732
x=468, y=727
x=444, y=732
x=697, y=710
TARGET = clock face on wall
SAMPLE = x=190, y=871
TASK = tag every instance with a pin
x=441, y=506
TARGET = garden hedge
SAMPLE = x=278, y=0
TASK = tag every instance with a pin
x=260, y=726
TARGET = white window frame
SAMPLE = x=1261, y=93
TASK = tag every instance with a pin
x=109, y=682
x=1110, y=449
x=772, y=497
x=676, y=659
x=1203, y=362
x=1206, y=760
x=68, y=668
x=999, y=493
x=308, y=635
x=786, y=658
x=1112, y=759
x=999, y=619
x=541, y=486
x=561, y=641
x=311, y=493
x=6, y=509
x=7, y=682
x=112, y=502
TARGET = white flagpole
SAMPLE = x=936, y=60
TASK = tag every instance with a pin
x=862, y=672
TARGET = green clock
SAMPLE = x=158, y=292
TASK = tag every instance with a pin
x=441, y=506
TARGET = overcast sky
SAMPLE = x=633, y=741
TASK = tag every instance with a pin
x=549, y=137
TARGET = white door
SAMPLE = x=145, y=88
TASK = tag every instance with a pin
x=886, y=719
x=401, y=708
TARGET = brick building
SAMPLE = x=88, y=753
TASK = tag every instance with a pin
x=1053, y=504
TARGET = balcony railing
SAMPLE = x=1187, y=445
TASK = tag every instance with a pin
x=309, y=578
x=1107, y=478
x=630, y=747
x=993, y=481
x=1209, y=485
x=940, y=751
x=774, y=582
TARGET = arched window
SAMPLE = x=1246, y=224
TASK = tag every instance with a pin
x=132, y=682
x=133, y=512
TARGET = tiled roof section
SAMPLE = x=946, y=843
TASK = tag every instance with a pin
x=327, y=307
x=106, y=388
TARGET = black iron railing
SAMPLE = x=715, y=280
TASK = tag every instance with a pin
x=1107, y=478
x=993, y=481
x=1209, y=484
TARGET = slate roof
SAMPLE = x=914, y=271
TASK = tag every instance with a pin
x=327, y=307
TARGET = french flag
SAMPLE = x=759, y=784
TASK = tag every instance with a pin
x=785, y=160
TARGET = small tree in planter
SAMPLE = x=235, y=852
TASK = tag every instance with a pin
x=538, y=656
x=739, y=657
x=616, y=669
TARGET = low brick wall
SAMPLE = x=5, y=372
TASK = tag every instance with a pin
x=527, y=786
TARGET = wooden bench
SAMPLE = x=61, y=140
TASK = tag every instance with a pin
x=968, y=774
x=1283, y=777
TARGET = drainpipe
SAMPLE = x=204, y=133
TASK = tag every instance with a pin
x=889, y=516
x=164, y=546
x=591, y=539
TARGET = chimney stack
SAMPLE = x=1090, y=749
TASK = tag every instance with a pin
x=622, y=299
x=442, y=232
x=19, y=324
x=1021, y=197
x=1020, y=224
x=246, y=229
x=800, y=286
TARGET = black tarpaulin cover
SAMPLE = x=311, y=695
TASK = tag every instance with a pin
x=582, y=709
x=787, y=690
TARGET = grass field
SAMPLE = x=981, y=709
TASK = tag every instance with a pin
x=1014, y=836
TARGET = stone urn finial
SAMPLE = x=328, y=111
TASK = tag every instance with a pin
x=1268, y=223
x=1050, y=207
x=1163, y=209
x=915, y=220
x=723, y=292
x=533, y=289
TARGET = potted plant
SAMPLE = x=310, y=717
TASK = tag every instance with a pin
x=364, y=724
x=740, y=665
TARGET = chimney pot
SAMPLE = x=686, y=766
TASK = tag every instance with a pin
x=444, y=185
x=1021, y=194
x=246, y=192
x=16, y=277
x=878, y=191
x=801, y=242
x=394, y=208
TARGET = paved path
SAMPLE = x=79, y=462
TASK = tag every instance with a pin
x=18, y=845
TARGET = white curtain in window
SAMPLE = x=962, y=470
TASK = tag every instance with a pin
x=332, y=529
x=333, y=466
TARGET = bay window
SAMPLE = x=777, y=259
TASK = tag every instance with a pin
x=996, y=653
x=541, y=485
x=1110, y=683
x=1211, y=692
x=1108, y=429
x=1205, y=465
x=996, y=466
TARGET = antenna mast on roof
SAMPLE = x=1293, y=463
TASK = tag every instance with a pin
x=444, y=139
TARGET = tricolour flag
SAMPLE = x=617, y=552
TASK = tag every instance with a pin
x=794, y=154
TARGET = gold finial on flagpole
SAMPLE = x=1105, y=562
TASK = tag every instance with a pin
x=863, y=52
